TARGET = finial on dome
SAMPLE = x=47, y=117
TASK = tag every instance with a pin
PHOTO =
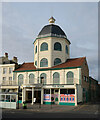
x=52, y=20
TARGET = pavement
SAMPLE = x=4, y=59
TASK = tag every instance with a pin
x=87, y=110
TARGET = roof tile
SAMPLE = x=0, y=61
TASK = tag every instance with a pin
x=73, y=62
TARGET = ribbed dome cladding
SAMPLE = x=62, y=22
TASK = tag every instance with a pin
x=52, y=30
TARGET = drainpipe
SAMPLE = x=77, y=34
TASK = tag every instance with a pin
x=75, y=95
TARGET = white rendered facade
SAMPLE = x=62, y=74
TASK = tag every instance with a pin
x=53, y=77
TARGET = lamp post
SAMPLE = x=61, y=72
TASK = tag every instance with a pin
x=40, y=85
x=18, y=94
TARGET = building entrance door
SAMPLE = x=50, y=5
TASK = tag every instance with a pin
x=37, y=95
x=56, y=95
x=29, y=96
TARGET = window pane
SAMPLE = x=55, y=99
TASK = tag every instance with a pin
x=20, y=79
x=63, y=91
x=57, y=61
x=44, y=62
x=46, y=91
x=52, y=91
x=10, y=70
x=13, y=98
x=4, y=78
x=4, y=70
x=71, y=91
x=31, y=78
x=43, y=78
x=57, y=46
x=66, y=49
x=36, y=49
x=70, y=77
x=44, y=46
x=7, y=98
x=10, y=78
x=56, y=78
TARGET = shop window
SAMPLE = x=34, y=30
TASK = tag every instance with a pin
x=56, y=90
x=52, y=91
x=63, y=91
x=43, y=78
x=20, y=79
x=44, y=62
x=71, y=91
x=57, y=46
x=57, y=61
x=31, y=78
x=70, y=77
x=7, y=98
x=46, y=91
x=56, y=78
x=44, y=47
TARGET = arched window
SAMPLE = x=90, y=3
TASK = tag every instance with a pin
x=43, y=77
x=20, y=79
x=70, y=77
x=56, y=78
x=57, y=46
x=31, y=78
x=66, y=49
x=57, y=61
x=44, y=46
x=44, y=62
x=36, y=49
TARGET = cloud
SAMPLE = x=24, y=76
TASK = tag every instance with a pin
x=23, y=21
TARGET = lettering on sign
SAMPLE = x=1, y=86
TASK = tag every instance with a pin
x=58, y=86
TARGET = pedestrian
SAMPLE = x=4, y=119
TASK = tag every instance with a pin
x=24, y=105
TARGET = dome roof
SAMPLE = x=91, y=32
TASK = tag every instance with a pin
x=52, y=30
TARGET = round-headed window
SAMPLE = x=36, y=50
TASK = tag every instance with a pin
x=44, y=62
x=57, y=46
x=44, y=46
x=70, y=77
x=31, y=78
x=57, y=61
x=56, y=78
x=43, y=78
x=20, y=79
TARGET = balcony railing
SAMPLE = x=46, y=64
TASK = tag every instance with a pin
x=8, y=83
x=15, y=83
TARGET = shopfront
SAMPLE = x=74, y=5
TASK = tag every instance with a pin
x=61, y=95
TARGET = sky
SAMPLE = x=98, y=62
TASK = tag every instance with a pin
x=22, y=22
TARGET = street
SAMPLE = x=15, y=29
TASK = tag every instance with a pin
x=88, y=110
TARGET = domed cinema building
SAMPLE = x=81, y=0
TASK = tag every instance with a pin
x=53, y=77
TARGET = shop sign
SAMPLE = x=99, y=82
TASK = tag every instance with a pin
x=37, y=89
x=57, y=86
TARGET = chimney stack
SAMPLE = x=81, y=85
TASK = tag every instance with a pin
x=6, y=55
x=15, y=59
